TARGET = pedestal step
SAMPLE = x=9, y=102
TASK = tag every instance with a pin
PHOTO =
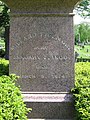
x=49, y=106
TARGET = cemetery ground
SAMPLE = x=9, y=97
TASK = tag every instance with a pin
x=83, y=52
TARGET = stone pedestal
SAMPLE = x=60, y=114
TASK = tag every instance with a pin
x=42, y=54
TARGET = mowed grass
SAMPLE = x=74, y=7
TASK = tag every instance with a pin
x=83, y=52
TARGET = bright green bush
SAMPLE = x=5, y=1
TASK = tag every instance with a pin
x=4, y=67
x=82, y=90
x=12, y=106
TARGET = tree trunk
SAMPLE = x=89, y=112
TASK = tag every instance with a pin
x=7, y=42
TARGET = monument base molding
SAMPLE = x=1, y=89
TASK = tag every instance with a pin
x=50, y=106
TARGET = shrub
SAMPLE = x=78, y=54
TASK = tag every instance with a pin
x=2, y=53
x=4, y=67
x=12, y=106
x=82, y=90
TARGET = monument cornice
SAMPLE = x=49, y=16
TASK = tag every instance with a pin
x=40, y=14
x=41, y=5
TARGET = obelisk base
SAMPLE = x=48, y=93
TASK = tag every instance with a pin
x=50, y=106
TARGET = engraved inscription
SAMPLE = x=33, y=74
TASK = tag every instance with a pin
x=44, y=77
x=54, y=57
x=40, y=48
x=43, y=57
x=46, y=37
x=41, y=35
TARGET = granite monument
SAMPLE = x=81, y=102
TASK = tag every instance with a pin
x=42, y=54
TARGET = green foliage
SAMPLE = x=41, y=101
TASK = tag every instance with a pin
x=4, y=67
x=4, y=16
x=83, y=8
x=2, y=53
x=12, y=106
x=82, y=33
x=2, y=30
x=2, y=48
x=82, y=90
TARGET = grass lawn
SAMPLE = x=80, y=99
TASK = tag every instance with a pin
x=83, y=52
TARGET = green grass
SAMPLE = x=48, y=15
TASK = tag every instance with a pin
x=83, y=51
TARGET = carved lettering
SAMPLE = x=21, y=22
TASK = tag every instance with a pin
x=53, y=57
x=40, y=48
x=28, y=76
x=44, y=77
x=46, y=37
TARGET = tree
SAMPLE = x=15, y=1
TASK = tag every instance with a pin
x=82, y=33
x=4, y=16
x=4, y=22
x=83, y=9
x=77, y=35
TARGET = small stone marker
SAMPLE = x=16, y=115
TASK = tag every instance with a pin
x=42, y=54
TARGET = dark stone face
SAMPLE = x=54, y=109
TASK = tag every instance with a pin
x=41, y=53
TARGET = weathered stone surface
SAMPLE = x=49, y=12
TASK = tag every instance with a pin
x=41, y=53
x=52, y=110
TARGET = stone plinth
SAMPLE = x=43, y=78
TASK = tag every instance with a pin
x=42, y=54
